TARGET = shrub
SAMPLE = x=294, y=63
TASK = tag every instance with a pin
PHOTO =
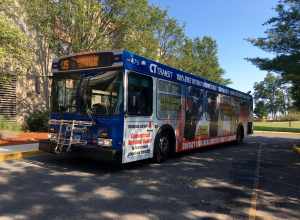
x=37, y=121
x=10, y=125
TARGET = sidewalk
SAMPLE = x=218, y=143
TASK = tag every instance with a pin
x=15, y=152
x=18, y=145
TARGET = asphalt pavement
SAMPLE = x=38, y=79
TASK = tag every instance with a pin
x=256, y=180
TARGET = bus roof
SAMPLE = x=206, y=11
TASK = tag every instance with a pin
x=137, y=63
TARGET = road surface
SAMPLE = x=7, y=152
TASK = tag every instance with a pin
x=257, y=180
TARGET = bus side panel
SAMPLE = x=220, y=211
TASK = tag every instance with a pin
x=138, y=139
x=206, y=114
x=209, y=118
x=200, y=117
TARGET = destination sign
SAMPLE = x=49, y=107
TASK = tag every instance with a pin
x=87, y=61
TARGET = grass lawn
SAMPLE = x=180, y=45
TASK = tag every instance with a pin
x=277, y=126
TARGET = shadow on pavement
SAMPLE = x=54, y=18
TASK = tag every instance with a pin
x=212, y=183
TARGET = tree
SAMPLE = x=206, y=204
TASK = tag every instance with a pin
x=199, y=56
x=64, y=27
x=73, y=26
x=40, y=18
x=133, y=24
x=15, y=51
x=261, y=109
x=81, y=25
x=282, y=39
x=89, y=25
x=271, y=93
x=170, y=36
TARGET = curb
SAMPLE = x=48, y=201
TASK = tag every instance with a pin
x=19, y=155
x=296, y=150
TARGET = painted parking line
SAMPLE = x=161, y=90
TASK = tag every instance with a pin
x=252, y=211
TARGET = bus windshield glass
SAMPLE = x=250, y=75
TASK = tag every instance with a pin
x=65, y=95
x=105, y=93
x=101, y=94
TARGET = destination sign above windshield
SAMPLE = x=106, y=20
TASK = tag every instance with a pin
x=86, y=61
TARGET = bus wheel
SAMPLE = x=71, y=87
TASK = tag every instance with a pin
x=239, y=136
x=161, y=148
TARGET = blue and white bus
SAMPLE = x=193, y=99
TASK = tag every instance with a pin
x=121, y=106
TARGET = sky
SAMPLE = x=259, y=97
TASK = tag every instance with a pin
x=229, y=22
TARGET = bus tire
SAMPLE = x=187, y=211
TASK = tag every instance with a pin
x=161, y=147
x=240, y=135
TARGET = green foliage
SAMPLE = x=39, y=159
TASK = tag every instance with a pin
x=199, y=56
x=143, y=29
x=8, y=125
x=15, y=52
x=271, y=95
x=133, y=25
x=261, y=109
x=282, y=39
x=295, y=93
x=5, y=4
x=170, y=36
x=80, y=25
x=37, y=121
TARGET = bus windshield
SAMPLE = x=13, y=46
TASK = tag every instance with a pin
x=105, y=93
x=65, y=95
x=99, y=95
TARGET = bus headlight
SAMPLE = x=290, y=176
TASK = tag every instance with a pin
x=52, y=136
x=105, y=142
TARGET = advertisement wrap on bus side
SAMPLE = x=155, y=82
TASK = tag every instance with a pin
x=210, y=118
x=138, y=141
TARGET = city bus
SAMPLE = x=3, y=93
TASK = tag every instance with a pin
x=121, y=106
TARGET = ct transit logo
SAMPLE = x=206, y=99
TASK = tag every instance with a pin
x=160, y=71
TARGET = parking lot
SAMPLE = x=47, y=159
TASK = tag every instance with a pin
x=257, y=180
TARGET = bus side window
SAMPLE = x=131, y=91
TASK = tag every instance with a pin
x=140, y=95
x=168, y=100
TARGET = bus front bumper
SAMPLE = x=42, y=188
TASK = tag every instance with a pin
x=90, y=151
